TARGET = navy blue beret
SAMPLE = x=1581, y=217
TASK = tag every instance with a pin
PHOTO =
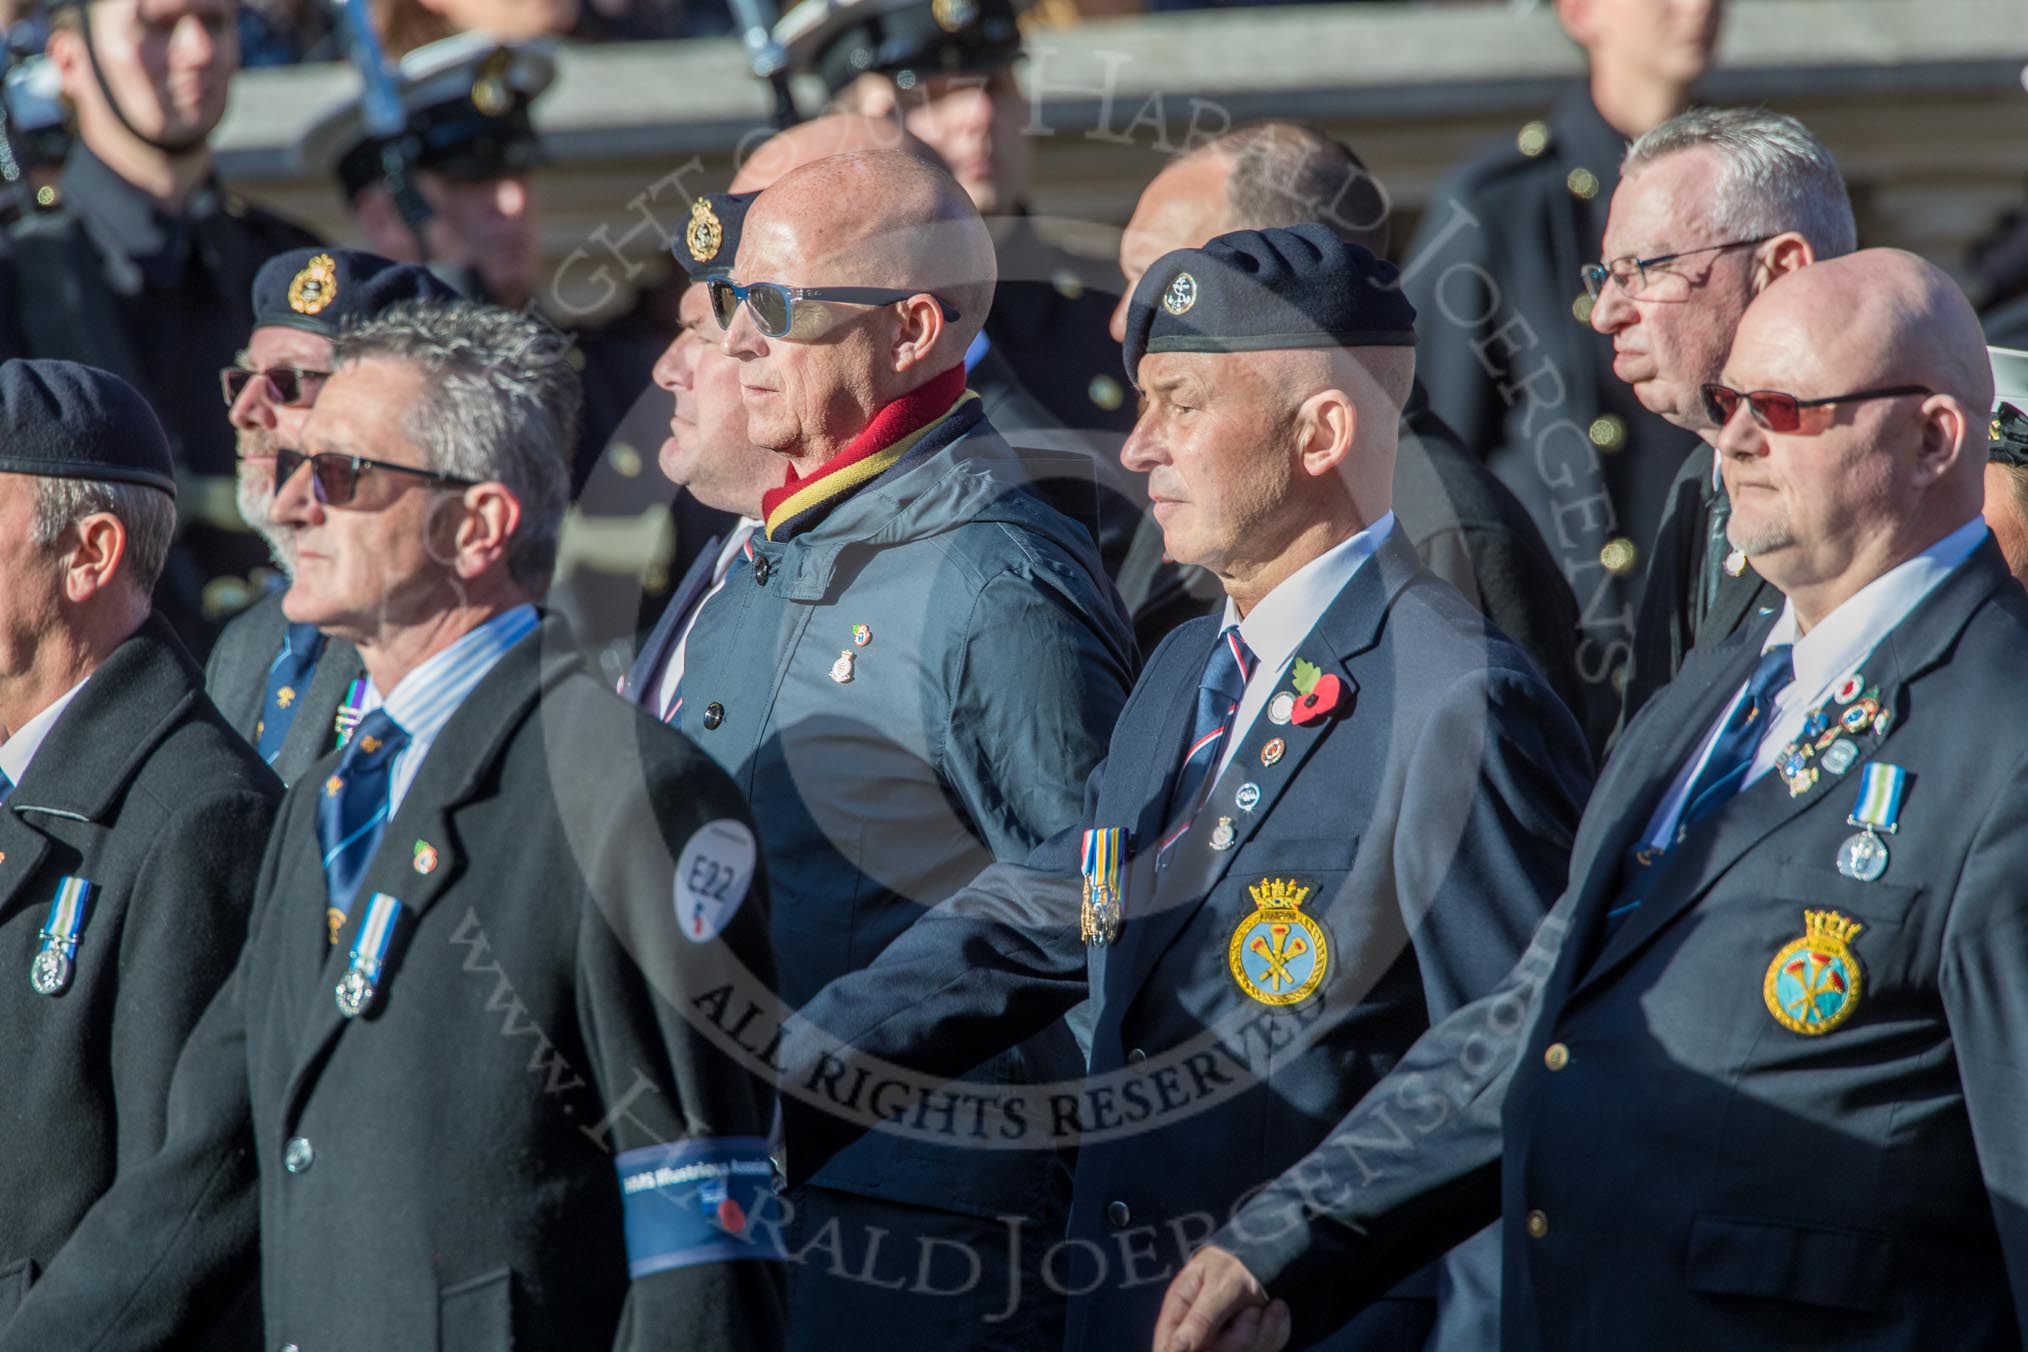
x=318, y=290
x=60, y=420
x=707, y=245
x=1267, y=291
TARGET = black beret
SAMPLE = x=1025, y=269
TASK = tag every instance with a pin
x=841, y=40
x=1266, y=291
x=318, y=290
x=2008, y=440
x=709, y=241
x=60, y=420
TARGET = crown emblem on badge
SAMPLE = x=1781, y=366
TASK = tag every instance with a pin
x=1831, y=925
x=1181, y=295
x=706, y=232
x=1277, y=893
x=313, y=289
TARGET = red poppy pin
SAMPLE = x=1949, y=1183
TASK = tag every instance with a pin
x=1318, y=694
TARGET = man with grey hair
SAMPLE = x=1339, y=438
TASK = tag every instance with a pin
x=129, y=809
x=450, y=1092
x=1712, y=206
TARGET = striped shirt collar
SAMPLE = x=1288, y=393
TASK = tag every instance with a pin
x=426, y=698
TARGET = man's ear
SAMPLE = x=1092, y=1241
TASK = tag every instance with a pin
x=1327, y=426
x=98, y=544
x=1948, y=437
x=485, y=518
x=1778, y=257
x=916, y=336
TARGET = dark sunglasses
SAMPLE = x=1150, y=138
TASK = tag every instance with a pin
x=292, y=384
x=774, y=306
x=334, y=478
x=1779, y=412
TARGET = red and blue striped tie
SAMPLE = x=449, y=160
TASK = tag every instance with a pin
x=1218, y=695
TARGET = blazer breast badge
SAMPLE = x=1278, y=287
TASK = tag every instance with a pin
x=1278, y=955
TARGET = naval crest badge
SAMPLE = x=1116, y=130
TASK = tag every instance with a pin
x=491, y=94
x=705, y=233
x=954, y=16
x=1813, y=984
x=1278, y=955
x=1181, y=295
x=312, y=290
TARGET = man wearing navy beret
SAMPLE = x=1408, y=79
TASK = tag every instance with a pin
x=288, y=689
x=1327, y=817
x=131, y=815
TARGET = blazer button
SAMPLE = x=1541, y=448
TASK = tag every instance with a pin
x=298, y=1155
x=1538, y=1224
x=1137, y=1057
x=761, y=569
x=1556, y=1056
x=714, y=714
x=290, y=1347
x=1118, y=1215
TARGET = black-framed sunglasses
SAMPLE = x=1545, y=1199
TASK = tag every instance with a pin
x=292, y=384
x=1779, y=412
x=334, y=478
x=1632, y=273
x=774, y=306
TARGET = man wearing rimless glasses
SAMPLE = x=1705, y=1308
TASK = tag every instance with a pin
x=911, y=677
x=287, y=688
x=1712, y=206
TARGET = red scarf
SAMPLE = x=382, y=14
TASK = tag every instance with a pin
x=894, y=423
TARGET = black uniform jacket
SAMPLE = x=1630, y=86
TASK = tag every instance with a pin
x=1673, y=1165
x=443, y=1172
x=141, y=789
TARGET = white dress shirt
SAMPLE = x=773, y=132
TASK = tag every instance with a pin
x=22, y=746
x=1286, y=615
x=1824, y=657
x=427, y=697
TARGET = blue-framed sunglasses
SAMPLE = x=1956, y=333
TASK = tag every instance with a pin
x=774, y=306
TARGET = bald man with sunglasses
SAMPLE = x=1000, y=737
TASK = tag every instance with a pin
x=910, y=678
x=1757, y=1081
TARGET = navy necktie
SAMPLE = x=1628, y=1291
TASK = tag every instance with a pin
x=352, y=809
x=288, y=677
x=1732, y=754
x=6, y=786
x=1218, y=695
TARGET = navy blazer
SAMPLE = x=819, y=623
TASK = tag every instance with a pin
x=1428, y=823
x=1631, y=1093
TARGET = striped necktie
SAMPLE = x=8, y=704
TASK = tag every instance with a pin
x=1218, y=694
x=352, y=809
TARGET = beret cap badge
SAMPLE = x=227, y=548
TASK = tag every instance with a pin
x=954, y=15
x=1181, y=295
x=705, y=233
x=315, y=287
x=490, y=94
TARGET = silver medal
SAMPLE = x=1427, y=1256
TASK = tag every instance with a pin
x=49, y=974
x=1838, y=757
x=1863, y=857
x=355, y=993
